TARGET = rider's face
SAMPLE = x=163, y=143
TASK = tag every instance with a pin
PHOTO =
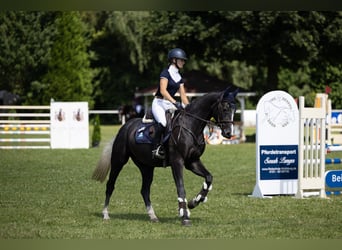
x=179, y=62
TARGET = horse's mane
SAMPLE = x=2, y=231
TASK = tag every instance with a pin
x=202, y=101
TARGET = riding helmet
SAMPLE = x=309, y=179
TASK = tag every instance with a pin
x=177, y=53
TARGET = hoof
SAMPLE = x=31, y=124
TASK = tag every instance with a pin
x=186, y=223
x=155, y=220
x=191, y=204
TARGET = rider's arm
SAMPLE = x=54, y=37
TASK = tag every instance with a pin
x=163, y=85
x=182, y=94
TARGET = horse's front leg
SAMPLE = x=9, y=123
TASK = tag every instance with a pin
x=198, y=168
x=184, y=212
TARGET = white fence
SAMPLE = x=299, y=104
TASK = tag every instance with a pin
x=29, y=127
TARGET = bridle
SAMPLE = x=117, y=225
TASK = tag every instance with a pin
x=220, y=111
x=220, y=122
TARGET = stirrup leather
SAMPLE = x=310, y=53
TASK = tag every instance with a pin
x=159, y=152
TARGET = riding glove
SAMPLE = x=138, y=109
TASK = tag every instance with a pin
x=178, y=105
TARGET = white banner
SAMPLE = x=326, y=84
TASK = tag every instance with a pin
x=277, y=137
x=69, y=125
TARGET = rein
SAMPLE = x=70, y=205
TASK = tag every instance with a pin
x=198, y=118
x=186, y=129
x=208, y=122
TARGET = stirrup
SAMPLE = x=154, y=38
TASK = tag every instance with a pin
x=159, y=153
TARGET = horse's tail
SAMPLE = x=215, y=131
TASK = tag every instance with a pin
x=103, y=165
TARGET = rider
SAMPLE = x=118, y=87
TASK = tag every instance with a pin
x=170, y=83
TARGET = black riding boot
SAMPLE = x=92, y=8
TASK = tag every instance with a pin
x=159, y=152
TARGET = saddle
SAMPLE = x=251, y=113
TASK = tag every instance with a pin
x=149, y=131
x=148, y=117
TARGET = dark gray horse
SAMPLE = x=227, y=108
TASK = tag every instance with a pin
x=8, y=98
x=185, y=147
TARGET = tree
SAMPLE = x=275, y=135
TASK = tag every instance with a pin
x=69, y=76
x=277, y=49
x=25, y=40
x=103, y=57
x=326, y=69
x=270, y=40
x=120, y=57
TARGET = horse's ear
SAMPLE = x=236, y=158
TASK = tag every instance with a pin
x=228, y=94
x=236, y=92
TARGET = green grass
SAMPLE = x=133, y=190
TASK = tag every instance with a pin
x=49, y=194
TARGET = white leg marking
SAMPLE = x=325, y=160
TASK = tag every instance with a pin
x=151, y=214
x=105, y=214
x=181, y=210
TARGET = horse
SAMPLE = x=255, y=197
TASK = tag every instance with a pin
x=184, y=148
x=127, y=112
x=8, y=98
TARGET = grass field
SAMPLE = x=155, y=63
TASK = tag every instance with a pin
x=49, y=194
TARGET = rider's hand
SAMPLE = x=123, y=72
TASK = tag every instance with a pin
x=178, y=105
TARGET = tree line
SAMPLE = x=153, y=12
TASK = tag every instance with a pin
x=103, y=57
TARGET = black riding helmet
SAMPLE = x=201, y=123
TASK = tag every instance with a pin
x=176, y=53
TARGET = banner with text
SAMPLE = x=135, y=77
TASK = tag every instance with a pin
x=278, y=162
x=277, y=137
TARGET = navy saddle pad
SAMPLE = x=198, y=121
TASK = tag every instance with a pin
x=145, y=133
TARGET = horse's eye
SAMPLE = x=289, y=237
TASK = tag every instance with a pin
x=226, y=107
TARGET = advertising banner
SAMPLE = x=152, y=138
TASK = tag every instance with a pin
x=277, y=137
x=69, y=125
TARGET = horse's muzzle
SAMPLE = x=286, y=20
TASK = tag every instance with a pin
x=227, y=131
x=227, y=135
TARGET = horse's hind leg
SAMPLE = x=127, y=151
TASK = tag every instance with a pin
x=117, y=165
x=147, y=178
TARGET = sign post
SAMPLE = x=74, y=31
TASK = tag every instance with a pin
x=277, y=137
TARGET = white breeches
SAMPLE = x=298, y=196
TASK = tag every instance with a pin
x=159, y=106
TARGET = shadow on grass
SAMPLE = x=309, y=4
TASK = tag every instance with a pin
x=241, y=194
x=143, y=217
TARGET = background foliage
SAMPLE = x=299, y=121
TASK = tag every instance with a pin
x=104, y=57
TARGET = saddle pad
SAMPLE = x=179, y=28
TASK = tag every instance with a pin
x=144, y=133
